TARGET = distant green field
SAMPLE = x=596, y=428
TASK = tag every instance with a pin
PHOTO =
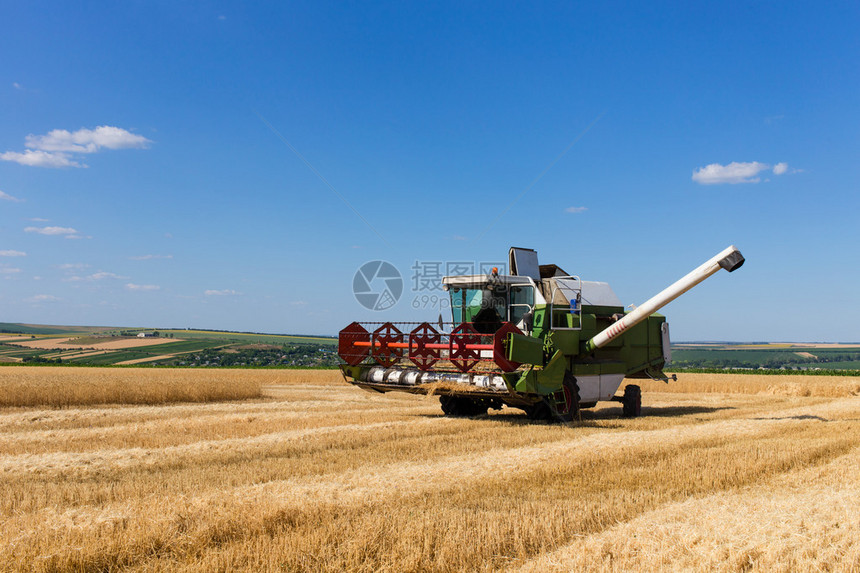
x=147, y=352
x=179, y=346
x=18, y=352
x=191, y=348
x=778, y=356
x=112, y=358
x=250, y=338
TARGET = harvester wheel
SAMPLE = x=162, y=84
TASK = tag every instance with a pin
x=632, y=402
x=477, y=409
x=539, y=411
x=445, y=402
x=568, y=410
x=461, y=406
x=562, y=405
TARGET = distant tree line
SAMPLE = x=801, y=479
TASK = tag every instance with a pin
x=286, y=355
x=40, y=360
x=777, y=360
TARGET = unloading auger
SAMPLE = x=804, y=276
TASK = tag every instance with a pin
x=537, y=339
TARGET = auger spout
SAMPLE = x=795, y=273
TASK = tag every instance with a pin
x=729, y=259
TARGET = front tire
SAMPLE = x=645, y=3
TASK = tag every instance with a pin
x=539, y=411
x=567, y=409
x=632, y=401
x=459, y=406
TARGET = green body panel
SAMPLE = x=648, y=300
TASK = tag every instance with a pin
x=551, y=377
x=525, y=349
x=527, y=382
x=567, y=341
x=595, y=368
x=354, y=372
x=585, y=368
x=546, y=380
x=589, y=325
x=639, y=348
x=643, y=347
x=585, y=320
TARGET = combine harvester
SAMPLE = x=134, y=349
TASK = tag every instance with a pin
x=538, y=339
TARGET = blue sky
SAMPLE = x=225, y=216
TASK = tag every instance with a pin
x=150, y=174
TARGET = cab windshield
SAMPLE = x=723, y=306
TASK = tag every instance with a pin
x=489, y=306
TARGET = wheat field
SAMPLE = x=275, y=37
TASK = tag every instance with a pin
x=63, y=386
x=722, y=472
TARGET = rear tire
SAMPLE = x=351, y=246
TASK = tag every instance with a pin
x=632, y=402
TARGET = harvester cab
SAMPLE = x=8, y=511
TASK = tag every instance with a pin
x=537, y=339
x=489, y=302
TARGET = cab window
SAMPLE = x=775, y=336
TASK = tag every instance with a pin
x=465, y=303
x=468, y=303
x=522, y=301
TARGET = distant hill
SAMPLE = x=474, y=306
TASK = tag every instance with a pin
x=54, y=329
x=21, y=328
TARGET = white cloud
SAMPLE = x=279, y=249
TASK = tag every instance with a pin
x=225, y=292
x=150, y=257
x=9, y=270
x=86, y=140
x=7, y=197
x=131, y=286
x=53, y=231
x=42, y=298
x=299, y=303
x=38, y=158
x=780, y=168
x=576, y=209
x=38, y=220
x=57, y=147
x=73, y=266
x=17, y=86
x=103, y=275
x=732, y=173
x=12, y=254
